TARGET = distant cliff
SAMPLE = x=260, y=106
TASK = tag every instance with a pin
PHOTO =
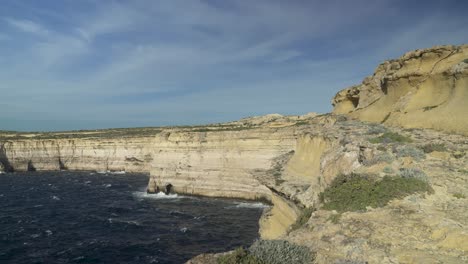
x=425, y=88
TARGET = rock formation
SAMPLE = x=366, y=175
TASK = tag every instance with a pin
x=425, y=88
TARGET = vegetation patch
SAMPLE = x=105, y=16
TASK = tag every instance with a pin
x=355, y=192
x=409, y=151
x=334, y=218
x=414, y=173
x=383, y=157
x=428, y=148
x=459, y=195
x=377, y=129
x=390, y=137
x=239, y=256
x=303, y=218
x=280, y=252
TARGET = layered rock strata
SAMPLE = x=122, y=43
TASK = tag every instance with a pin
x=425, y=88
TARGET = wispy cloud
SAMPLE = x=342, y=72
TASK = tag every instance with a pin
x=114, y=63
x=27, y=26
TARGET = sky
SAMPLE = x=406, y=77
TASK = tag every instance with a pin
x=89, y=64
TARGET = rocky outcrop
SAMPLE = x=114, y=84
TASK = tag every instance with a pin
x=425, y=88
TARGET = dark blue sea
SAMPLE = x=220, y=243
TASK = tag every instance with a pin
x=84, y=217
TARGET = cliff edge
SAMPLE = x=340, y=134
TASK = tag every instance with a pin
x=426, y=88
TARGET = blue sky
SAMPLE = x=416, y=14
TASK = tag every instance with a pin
x=97, y=64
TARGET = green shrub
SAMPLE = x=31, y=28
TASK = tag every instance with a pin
x=409, y=151
x=239, y=256
x=388, y=170
x=334, y=218
x=465, y=60
x=377, y=129
x=459, y=195
x=280, y=252
x=356, y=192
x=303, y=218
x=428, y=148
x=390, y=137
x=414, y=173
x=379, y=158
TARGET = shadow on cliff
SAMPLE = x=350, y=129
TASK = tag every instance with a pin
x=4, y=159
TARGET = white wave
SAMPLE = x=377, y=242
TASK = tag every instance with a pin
x=116, y=172
x=56, y=198
x=159, y=195
x=107, y=185
x=128, y=222
x=251, y=205
x=111, y=172
x=48, y=232
x=184, y=229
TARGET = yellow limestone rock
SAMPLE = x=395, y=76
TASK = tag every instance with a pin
x=423, y=89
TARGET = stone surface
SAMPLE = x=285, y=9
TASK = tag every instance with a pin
x=422, y=89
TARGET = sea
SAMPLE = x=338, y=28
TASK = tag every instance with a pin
x=89, y=217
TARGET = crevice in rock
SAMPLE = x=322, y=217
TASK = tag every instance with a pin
x=31, y=166
x=4, y=160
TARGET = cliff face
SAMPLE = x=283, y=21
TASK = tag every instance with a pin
x=423, y=89
x=132, y=154
x=219, y=163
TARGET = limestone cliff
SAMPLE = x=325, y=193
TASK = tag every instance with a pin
x=425, y=88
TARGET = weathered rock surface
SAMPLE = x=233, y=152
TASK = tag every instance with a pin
x=123, y=154
x=425, y=88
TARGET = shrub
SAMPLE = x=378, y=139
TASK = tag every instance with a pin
x=377, y=129
x=465, y=60
x=379, y=158
x=334, y=218
x=239, y=256
x=280, y=252
x=388, y=170
x=409, y=151
x=413, y=173
x=428, y=148
x=356, y=192
x=303, y=218
x=390, y=137
x=459, y=195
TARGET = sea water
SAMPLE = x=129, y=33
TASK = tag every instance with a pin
x=83, y=217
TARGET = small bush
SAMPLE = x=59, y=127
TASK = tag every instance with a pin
x=459, y=195
x=239, y=256
x=388, y=170
x=334, y=218
x=379, y=158
x=377, y=129
x=409, y=151
x=390, y=137
x=465, y=60
x=280, y=252
x=413, y=173
x=428, y=148
x=356, y=192
x=303, y=218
